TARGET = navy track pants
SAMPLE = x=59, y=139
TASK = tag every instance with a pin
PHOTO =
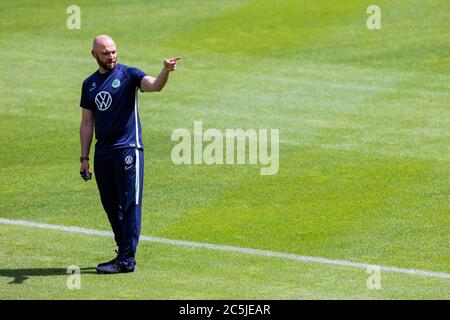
x=119, y=175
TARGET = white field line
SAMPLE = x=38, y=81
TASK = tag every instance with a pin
x=282, y=255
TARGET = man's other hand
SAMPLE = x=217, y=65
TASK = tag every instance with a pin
x=84, y=170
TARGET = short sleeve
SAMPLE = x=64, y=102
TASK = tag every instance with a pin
x=84, y=101
x=136, y=76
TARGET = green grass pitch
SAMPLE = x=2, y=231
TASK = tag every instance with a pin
x=364, y=124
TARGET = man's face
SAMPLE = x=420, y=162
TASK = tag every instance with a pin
x=106, y=56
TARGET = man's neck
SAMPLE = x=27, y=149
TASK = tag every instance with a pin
x=103, y=71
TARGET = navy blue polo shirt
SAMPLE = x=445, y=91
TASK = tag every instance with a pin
x=112, y=97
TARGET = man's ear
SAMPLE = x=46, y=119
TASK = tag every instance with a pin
x=93, y=53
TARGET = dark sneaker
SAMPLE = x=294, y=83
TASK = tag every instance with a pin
x=110, y=262
x=115, y=266
x=104, y=264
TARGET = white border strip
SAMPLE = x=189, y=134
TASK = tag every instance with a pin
x=137, y=171
x=288, y=256
x=136, y=117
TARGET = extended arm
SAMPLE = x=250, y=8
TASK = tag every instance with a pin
x=150, y=84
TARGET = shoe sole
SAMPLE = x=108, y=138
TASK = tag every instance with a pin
x=124, y=271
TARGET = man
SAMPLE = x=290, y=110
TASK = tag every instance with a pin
x=109, y=103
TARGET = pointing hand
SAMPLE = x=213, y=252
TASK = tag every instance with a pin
x=171, y=63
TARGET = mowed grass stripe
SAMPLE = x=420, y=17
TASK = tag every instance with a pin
x=266, y=253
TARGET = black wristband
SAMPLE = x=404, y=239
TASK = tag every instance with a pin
x=84, y=158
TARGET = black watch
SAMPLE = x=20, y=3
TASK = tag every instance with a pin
x=84, y=158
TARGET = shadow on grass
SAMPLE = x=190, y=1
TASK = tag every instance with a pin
x=20, y=275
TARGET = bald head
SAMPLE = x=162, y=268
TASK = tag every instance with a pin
x=102, y=41
x=104, y=51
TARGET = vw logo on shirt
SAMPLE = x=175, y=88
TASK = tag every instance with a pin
x=103, y=100
x=129, y=160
